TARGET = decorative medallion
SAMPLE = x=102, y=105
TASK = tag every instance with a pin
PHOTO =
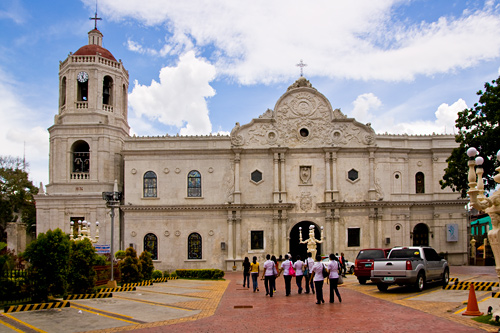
x=133, y=233
x=210, y=170
x=166, y=233
x=272, y=137
x=211, y=233
x=133, y=171
x=177, y=170
x=305, y=175
x=305, y=201
x=166, y=170
x=177, y=233
x=419, y=163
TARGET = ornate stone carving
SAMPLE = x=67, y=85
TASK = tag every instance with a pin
x=228, y=183
x=236, y=139
x=268, y=114
x=305, y=175
x=305, y=201
x=301, y=82
x=166, y=233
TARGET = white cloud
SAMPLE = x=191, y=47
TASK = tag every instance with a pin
x=363, y=105
x=179, y=98
x=21, y=134
x=261, y=41
x=444, y=122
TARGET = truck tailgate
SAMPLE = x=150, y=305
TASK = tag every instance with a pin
x=389, y=267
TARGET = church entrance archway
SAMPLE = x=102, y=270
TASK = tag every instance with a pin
x=421, y=235
x=301, y=249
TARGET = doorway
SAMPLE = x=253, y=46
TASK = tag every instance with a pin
x=421, y=235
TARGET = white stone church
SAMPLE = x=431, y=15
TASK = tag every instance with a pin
x=209, y=201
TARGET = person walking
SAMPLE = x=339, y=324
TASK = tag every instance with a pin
x=285, y=268
x=318, y=278
x=299, y=274
x=343, y=267
x=269, y=275
x=333, y=268
x=246, y=272
x=254, y=272
x=309, y=263
x=277, y=271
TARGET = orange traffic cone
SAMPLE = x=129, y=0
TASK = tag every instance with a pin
x=472, y=307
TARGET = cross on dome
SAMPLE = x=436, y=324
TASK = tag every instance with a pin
x=95, y=18
x=301, y=65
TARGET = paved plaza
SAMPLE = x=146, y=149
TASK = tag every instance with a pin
x=214, y=306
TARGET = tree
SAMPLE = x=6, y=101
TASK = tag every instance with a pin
x=130, y=267
x=48, y=256
x=147, y=266
x=477, y=127
x=82, y=276
x=16, y=194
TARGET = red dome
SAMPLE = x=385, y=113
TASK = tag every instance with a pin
x=94, y=49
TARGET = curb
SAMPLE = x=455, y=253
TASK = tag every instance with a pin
x=36, y=306
x=467, y=287
x=111, y=290
x=88, y=296
x=144, y=283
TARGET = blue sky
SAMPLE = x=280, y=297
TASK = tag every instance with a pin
x=197, y=67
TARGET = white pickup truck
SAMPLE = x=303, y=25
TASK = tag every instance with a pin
x=413, y=265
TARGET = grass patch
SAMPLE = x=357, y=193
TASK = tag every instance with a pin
x=486, y=319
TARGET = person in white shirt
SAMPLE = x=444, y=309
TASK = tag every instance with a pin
x=285, y=268
x=309, y=263
x=269, y=275
x=333, y=268
x=298, y=272
x=318, y=278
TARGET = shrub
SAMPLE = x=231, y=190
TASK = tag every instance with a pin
x=49, y=263
x=120, y=254
x=212, y=274
x=166, y=274
x=173, y=275
x=147, y=266
x=130, y=267
x=82, y=276
x=156, y=274
x=100, y=260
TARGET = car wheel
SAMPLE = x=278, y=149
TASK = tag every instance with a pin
x=362, y=280
x=382, y=286
x=420, y=283
x=446, y=277
x=351, y=270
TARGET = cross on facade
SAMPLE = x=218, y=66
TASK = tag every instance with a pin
x=95, y=18
x=301, y=65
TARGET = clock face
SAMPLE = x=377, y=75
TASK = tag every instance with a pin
x=82, y=77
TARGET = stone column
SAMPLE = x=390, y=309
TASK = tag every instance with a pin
x=335, y=194
x=230, y=251
x=276, y=178
x=336, y=238
x=276, y=232
x=372, y=193
x=328, y=227
x=371, y=223
x=328, y=180
x=237, y=193
x=16, y=236
x=283, y=178
x=284, y=233
x=237, y=246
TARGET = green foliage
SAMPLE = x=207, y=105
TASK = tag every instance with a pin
x=130, y=267
x=478, y=127
x=173, y=275
x=16, y=193
x=82, y=276
x=156, y=274
x=147, y=266
x=48, y=256
x=209, y=274
x=120, y=254
x=166, y=274
x=100, y=260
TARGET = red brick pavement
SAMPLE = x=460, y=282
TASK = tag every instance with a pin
x=356, y=313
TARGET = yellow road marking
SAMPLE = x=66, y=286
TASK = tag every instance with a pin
x=100, y=314
x=96, y=309
x=425, y=293
x=173, y=294
x=10, y=326
x=152, y=303
x=23, y=323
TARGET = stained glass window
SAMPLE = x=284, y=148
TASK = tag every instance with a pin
x=150, y=185
x=194, y=184
x=194, y=246
x=151, y=245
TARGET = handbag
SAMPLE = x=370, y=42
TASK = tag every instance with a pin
x=291, y=271
x=325, y=273
x=341, y=279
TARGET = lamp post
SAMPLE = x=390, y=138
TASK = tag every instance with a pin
x=112, y=201
x=490, y=205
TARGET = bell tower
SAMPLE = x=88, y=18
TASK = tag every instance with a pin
x=86, y=140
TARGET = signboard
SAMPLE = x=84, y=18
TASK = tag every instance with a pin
x=102, y=249
x=452, y=232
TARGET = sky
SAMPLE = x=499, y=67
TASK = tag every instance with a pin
x=198, y=67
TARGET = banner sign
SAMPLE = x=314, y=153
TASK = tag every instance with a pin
x=102, y=249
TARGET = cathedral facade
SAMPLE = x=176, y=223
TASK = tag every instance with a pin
x=209, y=201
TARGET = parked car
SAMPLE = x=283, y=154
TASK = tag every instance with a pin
x=349, y=266
x=363, y=264
x=413, y=265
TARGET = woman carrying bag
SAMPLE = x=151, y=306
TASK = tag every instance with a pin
x=333, y=268
x=318, y=276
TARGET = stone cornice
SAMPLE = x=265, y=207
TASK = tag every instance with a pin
x=225, y=207
x=382, y=204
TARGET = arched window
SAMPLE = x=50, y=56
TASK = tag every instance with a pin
x=150, y=185
x=420, y=235
x=63, y=92
x=107, y=90
x=81, y=157
x=194, y=184
x=419, y=183
x=83, y=91
x=151, y=245
x=194, y=246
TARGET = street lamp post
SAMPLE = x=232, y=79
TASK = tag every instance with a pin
x=112, y=201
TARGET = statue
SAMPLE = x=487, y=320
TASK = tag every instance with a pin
x=311, y=241
x=473, y=249
x=489, y=205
